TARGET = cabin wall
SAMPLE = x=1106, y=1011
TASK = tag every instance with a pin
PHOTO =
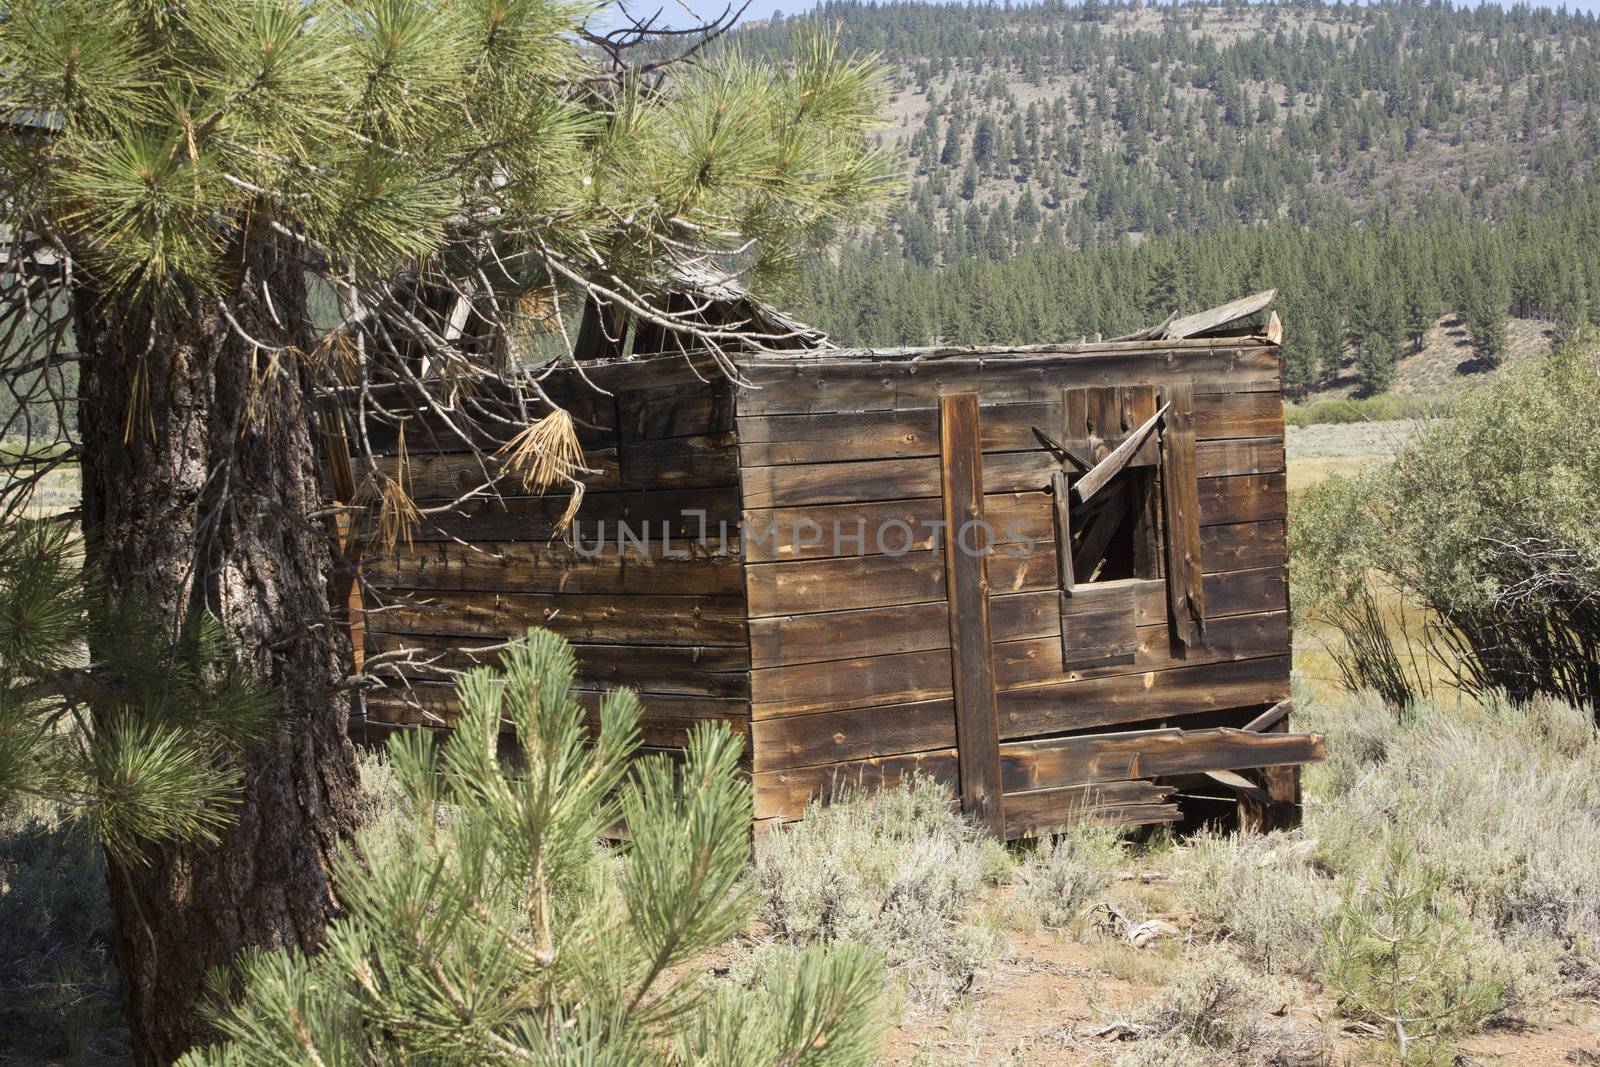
x=667, y=618
x=850, y=649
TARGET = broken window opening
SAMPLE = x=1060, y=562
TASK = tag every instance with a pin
x=1116, y=534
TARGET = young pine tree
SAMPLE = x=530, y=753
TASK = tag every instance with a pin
x=496, y=931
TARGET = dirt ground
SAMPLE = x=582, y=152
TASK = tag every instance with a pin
x=1056, y=1000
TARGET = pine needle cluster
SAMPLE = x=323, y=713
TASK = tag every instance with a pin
x=155, y=762
x=372, y=133
x=497, y=931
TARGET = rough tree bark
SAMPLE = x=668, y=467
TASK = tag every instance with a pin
x=199, y=477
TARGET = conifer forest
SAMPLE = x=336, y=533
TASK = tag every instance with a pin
x=1087, y=168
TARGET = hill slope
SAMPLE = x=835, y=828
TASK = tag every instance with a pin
x=1451, y=150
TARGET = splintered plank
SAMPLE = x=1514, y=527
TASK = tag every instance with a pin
x=1180, y=495
x=966, y=578
x=1086, y=759
x=1046, y=811
x=1219, y=316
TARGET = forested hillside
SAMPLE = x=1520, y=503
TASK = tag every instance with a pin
x=1082, y=168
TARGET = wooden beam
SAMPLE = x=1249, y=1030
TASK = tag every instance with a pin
x=1269, y=718
x=967, y=585
x=1063, y=524
x=1108, y=468
x=1217, y=317
x=1181, y=497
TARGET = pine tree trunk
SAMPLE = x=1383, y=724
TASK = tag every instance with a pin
x=198, y=488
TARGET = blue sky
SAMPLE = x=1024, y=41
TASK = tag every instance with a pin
x=678, y=12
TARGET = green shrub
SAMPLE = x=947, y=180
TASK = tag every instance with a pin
x=1499, y=804
x=1384, y=407
x=1219, y=1013
x=897, y=871
x=1486, y=519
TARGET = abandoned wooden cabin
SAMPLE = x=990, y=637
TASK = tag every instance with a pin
x=1053, y=576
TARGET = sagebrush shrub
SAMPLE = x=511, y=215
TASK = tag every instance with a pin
x=896, y=871
x=1062, y=874
x=1265, y=895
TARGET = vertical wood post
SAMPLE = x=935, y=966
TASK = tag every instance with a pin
x=967, y=590
x=1180, y=491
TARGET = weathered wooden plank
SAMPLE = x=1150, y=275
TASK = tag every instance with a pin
x=1243, y=498
x=842, y=584
x=598, y=619
x=784, y=793
x=685, y=513
x=967, y=582
x=797, y=485
x=1046, y=811
x=666, y=722
x=1088, y=702
x=1242, y=545
x=857, y=733
x=1221, y=416
x=802, y=386
x=893, y=527
x=1280, y=808
x=1246, y=456
x=717, y=671
x=554, y=567
x=695, y=462
x=877, y=631
x=1217, y=317
x=810, y=687
x=832, y=437
x=1228, y=593
x=676, y=411
x=1049, y=763
x=1034, y=661
x=1097, y=625
x=1181, y=512
x=1061, y=511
